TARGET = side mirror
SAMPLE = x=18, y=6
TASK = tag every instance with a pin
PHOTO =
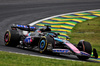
x=58, y=33
x=47, y=25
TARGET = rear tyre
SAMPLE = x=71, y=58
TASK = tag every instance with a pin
x=42, y=45
x=86, y=47
x=11, y=38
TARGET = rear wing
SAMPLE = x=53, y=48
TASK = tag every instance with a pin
x=24, y=27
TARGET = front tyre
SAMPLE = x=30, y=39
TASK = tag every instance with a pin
x=11, y=38
x=42, y=45
x=86, y=47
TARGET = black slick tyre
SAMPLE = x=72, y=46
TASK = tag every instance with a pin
x=86, y=47
x=11, y=38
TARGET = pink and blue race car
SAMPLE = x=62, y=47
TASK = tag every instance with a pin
x=45, y=40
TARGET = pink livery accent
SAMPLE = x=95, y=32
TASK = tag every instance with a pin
x=73, y=47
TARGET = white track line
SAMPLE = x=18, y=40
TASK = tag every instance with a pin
x=34, y=55
x=42, y=56
x=33, y=23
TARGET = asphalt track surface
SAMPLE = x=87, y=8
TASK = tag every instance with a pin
x=27, y=11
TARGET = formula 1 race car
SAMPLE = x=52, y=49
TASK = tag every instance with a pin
x=45, y=40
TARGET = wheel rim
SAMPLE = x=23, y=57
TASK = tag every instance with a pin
x=42, y=44
x=6, y=38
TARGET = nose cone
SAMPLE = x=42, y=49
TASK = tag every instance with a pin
x=83, y=54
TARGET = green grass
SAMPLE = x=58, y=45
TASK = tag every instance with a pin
x=89, y=31
x=11, y=59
